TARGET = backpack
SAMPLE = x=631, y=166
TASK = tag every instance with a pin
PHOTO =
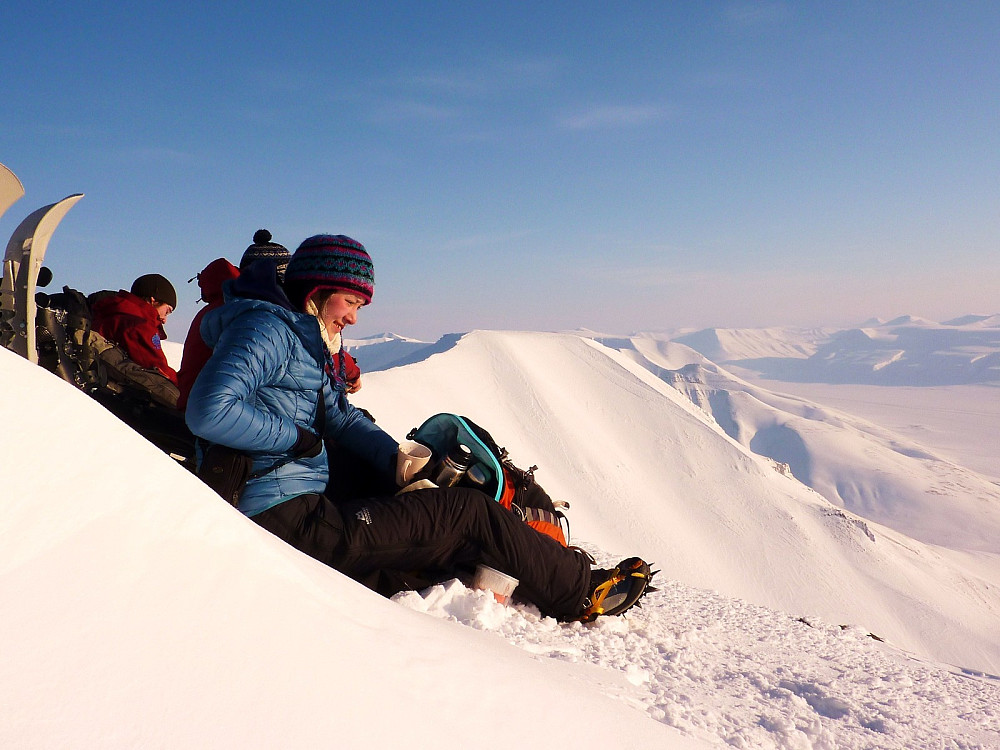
x=62, y=335
x=69, y=347
x=494, y=473
x=143, y=398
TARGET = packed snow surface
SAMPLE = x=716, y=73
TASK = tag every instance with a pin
x=140, y=610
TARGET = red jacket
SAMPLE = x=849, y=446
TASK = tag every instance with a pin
x=352, y=373
x=133, y=324
x=196, y=351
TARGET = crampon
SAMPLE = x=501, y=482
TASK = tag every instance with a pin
x=617, y=590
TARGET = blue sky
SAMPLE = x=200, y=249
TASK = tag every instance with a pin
x=643, y=167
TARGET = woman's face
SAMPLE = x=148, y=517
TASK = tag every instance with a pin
x=339, y=310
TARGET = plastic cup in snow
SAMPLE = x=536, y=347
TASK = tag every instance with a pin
x=501, y=584
x=412, y=457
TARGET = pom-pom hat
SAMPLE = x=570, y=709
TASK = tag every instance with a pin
x=330, y=261
x=263, y=249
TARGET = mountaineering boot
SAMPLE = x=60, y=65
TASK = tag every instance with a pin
x=617, y=590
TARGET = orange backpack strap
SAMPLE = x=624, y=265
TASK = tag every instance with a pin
x=545, y=522
x=509, y=488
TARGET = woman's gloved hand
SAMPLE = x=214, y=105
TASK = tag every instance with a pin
x=307, y=445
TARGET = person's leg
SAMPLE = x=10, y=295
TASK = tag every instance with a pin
x=351, y=478
x=310, y=523
x=388, y=543
x=442, y=528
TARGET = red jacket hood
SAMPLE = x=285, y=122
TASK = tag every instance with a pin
x=126, y=303
x=212, y=277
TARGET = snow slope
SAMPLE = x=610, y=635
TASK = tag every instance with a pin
x=957, y=422
x=855, y=464
x=140, y=610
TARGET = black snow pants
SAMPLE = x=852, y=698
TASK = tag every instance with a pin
x=389, y=543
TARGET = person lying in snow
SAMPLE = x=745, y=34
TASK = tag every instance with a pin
x=266, y=391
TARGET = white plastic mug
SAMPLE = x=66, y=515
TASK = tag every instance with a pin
x=501, y=584
x=412, y=457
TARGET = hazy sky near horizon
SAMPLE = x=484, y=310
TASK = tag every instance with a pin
x=619, y=167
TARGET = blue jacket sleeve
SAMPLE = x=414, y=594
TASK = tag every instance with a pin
x=224, y=405
x=353, y=430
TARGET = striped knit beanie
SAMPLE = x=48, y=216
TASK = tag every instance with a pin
x=331, y=262
x=263, y=249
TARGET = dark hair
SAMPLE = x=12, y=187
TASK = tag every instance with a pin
x=297, y=291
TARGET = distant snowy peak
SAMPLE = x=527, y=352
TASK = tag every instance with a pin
x=660, y=334
x=906, y=350
x=386, y=350
x=978, y=321
x=729, y=344
x=909, y=320
x=380, y=338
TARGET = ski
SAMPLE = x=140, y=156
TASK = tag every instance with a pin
x=21, y=264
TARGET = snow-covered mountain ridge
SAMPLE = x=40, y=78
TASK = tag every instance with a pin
x=903, y=351
x=855, y=464
x=134, y=593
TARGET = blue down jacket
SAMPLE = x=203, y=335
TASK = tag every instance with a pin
x=263, y=379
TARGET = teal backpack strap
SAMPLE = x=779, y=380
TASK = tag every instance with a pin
x=443, y=431
x=484, y=455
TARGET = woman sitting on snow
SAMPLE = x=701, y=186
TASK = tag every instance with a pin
x=266, y=391
x=210, y=281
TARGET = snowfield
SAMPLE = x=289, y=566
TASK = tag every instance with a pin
x=744, y=676
x=140, y=610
